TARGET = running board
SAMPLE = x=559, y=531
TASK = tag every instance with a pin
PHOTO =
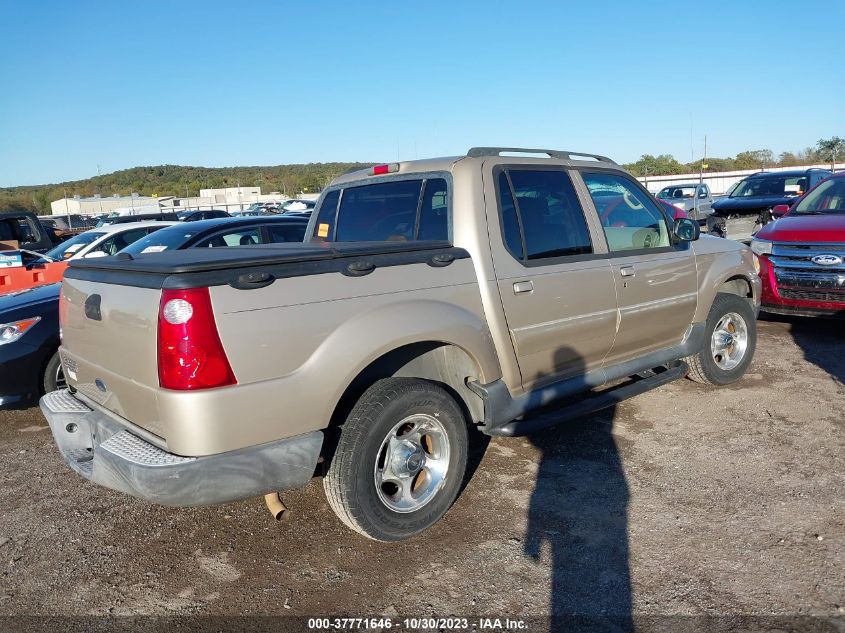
x=586, y=406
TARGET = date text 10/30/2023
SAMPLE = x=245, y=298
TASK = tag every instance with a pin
x=417, y=624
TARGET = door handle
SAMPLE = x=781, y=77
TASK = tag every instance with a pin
x=523, y=286
x=627, y=271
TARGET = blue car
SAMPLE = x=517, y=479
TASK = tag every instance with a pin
x=29, y=344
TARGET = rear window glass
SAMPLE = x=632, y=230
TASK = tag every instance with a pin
x=287, y=232
x=397, y=210
x=162, y=240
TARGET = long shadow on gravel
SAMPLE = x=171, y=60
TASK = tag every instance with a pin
x=579, y=511
x=821, y=340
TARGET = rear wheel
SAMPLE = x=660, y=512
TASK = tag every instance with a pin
x=400, y=459
x=54, y=376
x=731, y=340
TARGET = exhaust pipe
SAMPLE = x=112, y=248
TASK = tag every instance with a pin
x=278, y=509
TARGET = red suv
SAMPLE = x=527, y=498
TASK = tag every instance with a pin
x=802, y=254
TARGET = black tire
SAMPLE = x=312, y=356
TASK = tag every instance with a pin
x=704, y=367
x=350, y=482
x=50, y=381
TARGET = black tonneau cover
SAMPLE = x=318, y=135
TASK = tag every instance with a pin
x=258, y=266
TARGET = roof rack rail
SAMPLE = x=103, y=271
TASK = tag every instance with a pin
x=478, y=152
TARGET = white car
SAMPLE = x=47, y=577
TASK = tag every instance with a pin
x=105, y=240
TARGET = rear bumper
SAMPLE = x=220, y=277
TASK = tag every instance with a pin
x=103, y=451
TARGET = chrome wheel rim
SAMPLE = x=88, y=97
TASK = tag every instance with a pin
x=412, y=463
x=729, y=341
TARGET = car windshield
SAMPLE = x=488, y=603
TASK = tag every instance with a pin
x=771, y=185
x=668, y=193
x=162, y=240
x=68, y=249
x=828, y=197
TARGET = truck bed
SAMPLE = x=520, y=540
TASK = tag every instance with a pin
x=289, y=317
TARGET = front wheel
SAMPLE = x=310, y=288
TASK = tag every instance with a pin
x=731, y=340
x=400, y=459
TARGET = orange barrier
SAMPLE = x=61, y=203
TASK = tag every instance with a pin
x=20, y=277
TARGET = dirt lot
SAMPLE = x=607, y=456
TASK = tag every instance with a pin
x=683, y=501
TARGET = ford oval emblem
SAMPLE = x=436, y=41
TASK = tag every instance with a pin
x=826, y=259
x=100, y=385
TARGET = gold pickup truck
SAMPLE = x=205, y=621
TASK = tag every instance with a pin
x=492, y=292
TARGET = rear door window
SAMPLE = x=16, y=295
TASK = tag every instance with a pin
x=541, y=215
x=234, y=237
x=396, y=210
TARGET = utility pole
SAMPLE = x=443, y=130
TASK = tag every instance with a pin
x=67, y=212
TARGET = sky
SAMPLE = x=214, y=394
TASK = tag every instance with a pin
x=90, y=85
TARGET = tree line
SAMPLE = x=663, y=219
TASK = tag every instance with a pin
x=825, y=151
x=175, y=180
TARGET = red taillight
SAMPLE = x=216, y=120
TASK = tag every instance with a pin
x=190, y=354
x=389, y=168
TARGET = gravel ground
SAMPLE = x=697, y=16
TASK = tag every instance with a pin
x=685, y=501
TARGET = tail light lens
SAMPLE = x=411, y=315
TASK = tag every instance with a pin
x=190, y=354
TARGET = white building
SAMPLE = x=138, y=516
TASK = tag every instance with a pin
x=96, y=205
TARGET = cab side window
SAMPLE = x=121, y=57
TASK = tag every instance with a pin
x=541, y=215
x=630, y=219
x=324, y=230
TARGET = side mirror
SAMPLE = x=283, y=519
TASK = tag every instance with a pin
x=686, y=230
x=779, y=210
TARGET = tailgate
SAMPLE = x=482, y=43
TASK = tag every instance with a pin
x=109, y=347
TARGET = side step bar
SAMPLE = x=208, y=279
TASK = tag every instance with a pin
x=591, y=404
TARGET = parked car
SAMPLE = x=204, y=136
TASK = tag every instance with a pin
x=70, y=223
x=204, y=375
x=693, y=198
x=29, y=344
x=144, y=217
x=23, y=240
x=246, y=231
x=23, y=230
x=298, y=206
x=208, y=214
x=748, y=207
x=802, y=253
x=50, y=267
x=104, y=241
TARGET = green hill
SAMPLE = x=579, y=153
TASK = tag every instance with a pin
x=174, y=180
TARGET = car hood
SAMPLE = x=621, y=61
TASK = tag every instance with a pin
x=28, y=298
x=751, y=202
x=805, y=228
